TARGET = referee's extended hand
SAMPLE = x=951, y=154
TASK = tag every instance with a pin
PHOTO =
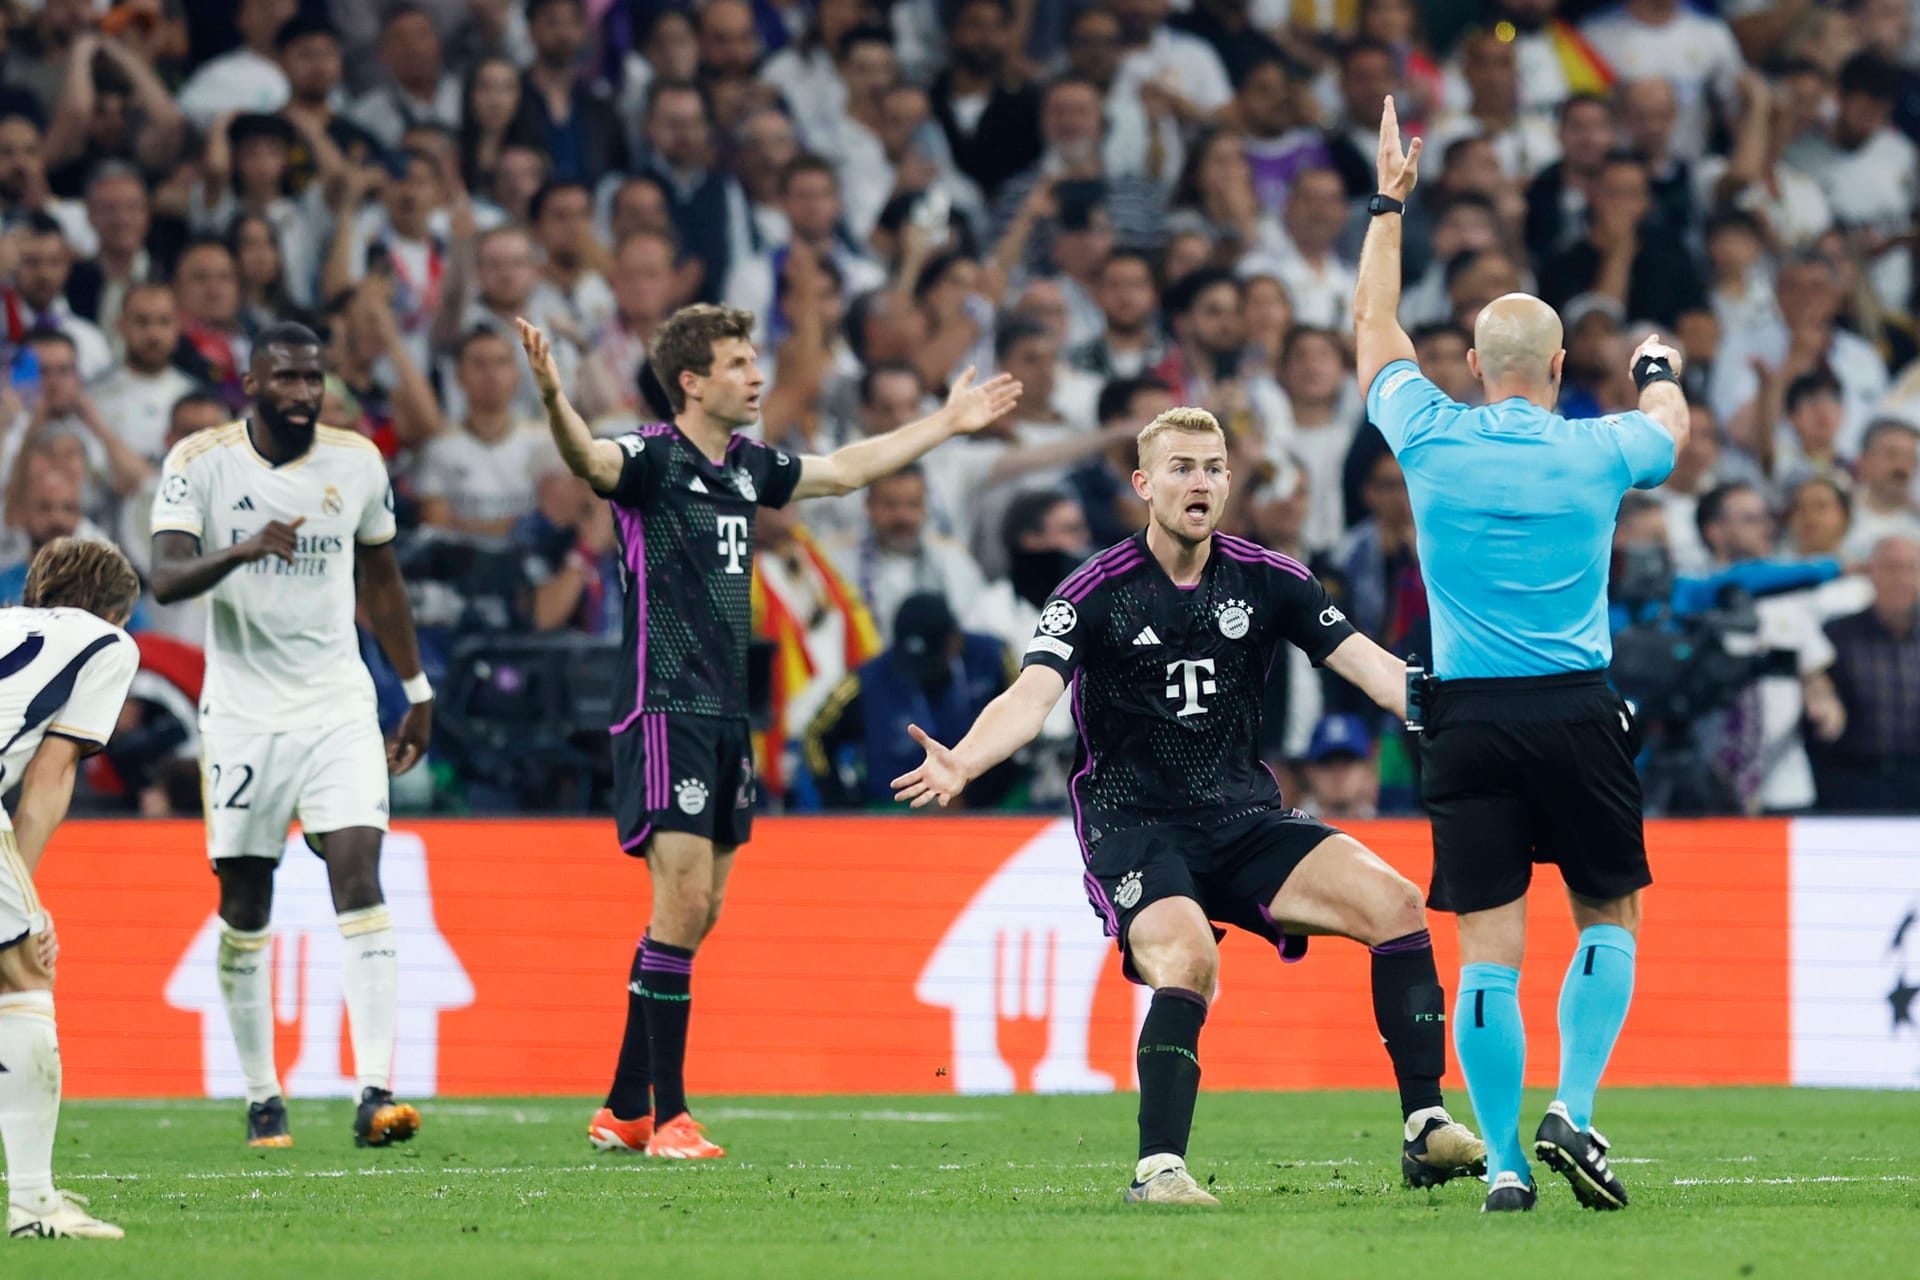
x=939, y=777
x=1396, y=172
x=1659, y=351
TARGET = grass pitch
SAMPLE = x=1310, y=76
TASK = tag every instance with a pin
x=1730, y=1183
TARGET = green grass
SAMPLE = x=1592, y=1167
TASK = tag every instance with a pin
x=1725, y=1183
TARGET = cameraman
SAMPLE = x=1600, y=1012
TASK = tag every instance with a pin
x=1757, y=742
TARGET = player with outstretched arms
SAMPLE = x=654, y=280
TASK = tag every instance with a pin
x=273, y=518
x=684, y=496
x=1166, y=640
x=65, y=666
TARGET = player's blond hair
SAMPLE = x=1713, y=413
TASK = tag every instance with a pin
x=1186, y=419
x=80, y=573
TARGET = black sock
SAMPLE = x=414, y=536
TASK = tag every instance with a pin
x=666, y=980
x=629, y=1098
x=1410, y=1010
x=1169, y=1066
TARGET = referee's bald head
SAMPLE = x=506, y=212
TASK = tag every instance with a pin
x=1517, y=348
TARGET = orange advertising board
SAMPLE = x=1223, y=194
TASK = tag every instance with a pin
x=859, y=955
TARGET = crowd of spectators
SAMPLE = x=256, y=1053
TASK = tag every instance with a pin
x=1126, y=203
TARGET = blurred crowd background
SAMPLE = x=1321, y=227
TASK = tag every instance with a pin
x=1129, y=204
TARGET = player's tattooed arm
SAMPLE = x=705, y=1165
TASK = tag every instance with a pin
x=1009, y=723
x=968, y=409
x=384, y=593
x=598, y=462
x=180, y=572
x=1373, y=671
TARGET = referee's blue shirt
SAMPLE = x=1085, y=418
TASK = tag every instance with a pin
x=1515, y=507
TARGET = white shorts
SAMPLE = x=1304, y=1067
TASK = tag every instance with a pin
x=20, y=913
x=255, y=784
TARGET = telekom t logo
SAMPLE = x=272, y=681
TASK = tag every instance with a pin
x=733, y=541
x=1189, y=685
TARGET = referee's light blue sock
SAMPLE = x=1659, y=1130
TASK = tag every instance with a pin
x=1593, y=1005
x=1491, y=1042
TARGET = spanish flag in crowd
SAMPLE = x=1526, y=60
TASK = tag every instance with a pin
x=1586, y=70
x=780, y=617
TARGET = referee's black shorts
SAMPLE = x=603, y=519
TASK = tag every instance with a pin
x=1526, y=770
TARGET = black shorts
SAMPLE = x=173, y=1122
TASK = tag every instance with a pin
x=1232, y=869
x=1536, y=769
x=683, y=773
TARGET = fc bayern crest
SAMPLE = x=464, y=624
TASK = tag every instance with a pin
x=744, y=484
x=1234, y=619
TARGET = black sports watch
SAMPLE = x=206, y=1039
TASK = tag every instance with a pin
x=1379, y=204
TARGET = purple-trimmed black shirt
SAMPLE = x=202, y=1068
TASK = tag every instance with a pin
x=686, y=543
x=1167, y=682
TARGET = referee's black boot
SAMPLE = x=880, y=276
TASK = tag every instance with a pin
x=1509, y=1195
x=1580, y=1158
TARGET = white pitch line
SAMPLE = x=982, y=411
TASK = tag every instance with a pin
x=1789, y=1181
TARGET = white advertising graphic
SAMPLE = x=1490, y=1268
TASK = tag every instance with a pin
x=1028, y=947
x=1856, y=953
x=310, y=1010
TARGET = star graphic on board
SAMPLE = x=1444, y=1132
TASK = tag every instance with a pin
x=1901, y=998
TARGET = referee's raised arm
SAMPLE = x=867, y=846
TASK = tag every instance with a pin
x=1378, y=339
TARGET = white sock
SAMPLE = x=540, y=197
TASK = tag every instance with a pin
x=372, y=982
x=1153, y=1166
x=29, y=1096
x=246, y=987
x=1418, y=1120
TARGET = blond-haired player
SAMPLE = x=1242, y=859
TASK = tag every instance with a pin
x=65, y=665
x=1166, y=640
x=274, y=517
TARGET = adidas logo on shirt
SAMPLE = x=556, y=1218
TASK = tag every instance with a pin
x=1146, y=636
x=245, y=504
x=698, y=486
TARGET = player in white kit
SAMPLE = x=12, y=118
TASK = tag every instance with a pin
x=65, y=665
x=271, y=517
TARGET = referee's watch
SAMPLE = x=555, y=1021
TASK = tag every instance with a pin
x=1379, y=204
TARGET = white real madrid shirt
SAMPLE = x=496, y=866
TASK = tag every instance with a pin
x=62, y=672
x=281, y=648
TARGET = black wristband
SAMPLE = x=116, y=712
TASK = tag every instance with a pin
x=1648, y=370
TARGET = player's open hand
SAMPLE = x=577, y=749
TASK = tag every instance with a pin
x=409, y=742
x=48, y=946
x=939, y=777
x=1397, y=173
x=546, y=372
x=970, y=408
x=278, y=539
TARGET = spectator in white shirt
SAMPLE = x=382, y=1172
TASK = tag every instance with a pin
x=561, y=215
x=485, y=475
x=38, y=299
x=139, y=396
x=244, y=171
x=899, y=555
x=1318, y=281
x=1871, y=173
x=1526, y=142
x=122, y=219
x=1181, y=70
x=419, y=89
x=810, y=196
x=1755, y=177
x=1883, y=506
x=1320, y=426
x=1695, y=53
x=492, y=280
x=247, y=79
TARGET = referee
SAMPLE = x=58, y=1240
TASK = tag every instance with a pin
x=1527, y=755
